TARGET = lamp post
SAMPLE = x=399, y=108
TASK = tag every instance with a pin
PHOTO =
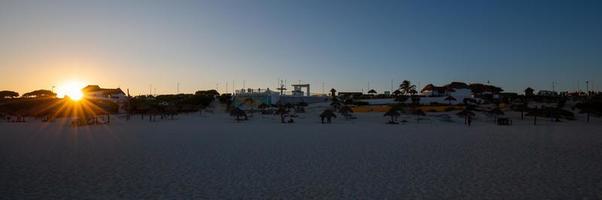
x=587, y=87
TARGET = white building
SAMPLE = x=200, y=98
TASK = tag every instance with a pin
x=95, y=92
x=457, y=90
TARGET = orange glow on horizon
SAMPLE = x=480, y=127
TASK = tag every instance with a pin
x=71, y=89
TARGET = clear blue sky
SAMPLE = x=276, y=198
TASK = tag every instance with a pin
x=345, y=44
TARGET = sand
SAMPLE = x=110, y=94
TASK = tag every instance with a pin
x=214, y=157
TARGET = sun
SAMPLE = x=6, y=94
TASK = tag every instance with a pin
x=71, y=89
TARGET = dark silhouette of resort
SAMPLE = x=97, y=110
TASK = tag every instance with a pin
x=465, y=100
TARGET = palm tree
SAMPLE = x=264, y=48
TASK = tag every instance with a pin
x=328, y=115
x=396, y=92
x=449, y=99
x=406, y=86
x=394, y=114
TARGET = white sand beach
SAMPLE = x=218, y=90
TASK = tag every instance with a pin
x=213, y=157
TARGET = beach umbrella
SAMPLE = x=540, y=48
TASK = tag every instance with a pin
x=263, y=106
x=466, y=113
x=282, y=112
x=394, y=114
x=328, y=114
x=534, y=112
x=345, y=109
x=522, y=107
x=496, y=112
x=238, y=113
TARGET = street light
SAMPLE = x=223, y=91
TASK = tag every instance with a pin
x=587, y=87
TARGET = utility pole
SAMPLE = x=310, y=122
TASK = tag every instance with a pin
x=323, y=87
x=587, y=87
x=178, y=88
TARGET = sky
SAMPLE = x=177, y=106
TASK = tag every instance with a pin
x=352, y=45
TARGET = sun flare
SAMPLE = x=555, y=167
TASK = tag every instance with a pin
x=71, y=89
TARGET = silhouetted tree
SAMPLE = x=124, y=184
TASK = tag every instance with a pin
x=207, y=93
x=39, y=93
x=406, y=86
x=8, y=94
x=394, y=114
x=529, y=91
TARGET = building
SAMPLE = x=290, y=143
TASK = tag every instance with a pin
x=254, y=98
x=547, y=93
x=483, y=90
x=460, y=91
x=116, y=95
x=455, y=89
x=350, y=94
x=251, y=98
